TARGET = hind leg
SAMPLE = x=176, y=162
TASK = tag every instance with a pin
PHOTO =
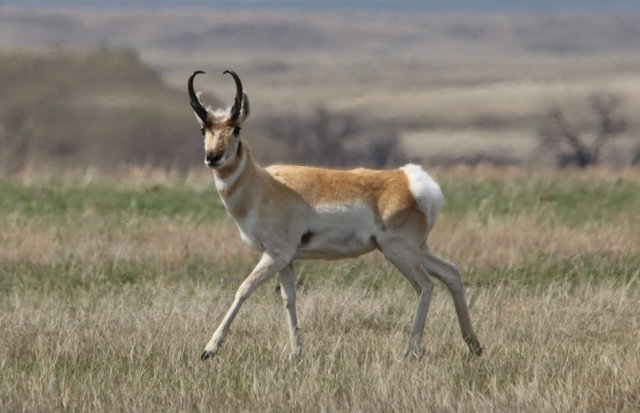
x=450, y=276
x=406, y=259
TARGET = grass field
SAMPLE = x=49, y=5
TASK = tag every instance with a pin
x=109, y=291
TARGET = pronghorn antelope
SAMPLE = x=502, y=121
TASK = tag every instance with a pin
x=298, y=212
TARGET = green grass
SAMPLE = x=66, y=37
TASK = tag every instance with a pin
x=575, y=202
x=61, y=200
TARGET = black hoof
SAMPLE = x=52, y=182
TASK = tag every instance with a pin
x=476, y=349
x=474, y=346
x=207, y=355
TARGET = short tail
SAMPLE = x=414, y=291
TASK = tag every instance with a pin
x=426, y=192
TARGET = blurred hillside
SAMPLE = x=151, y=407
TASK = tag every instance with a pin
x=97, y=108
x=380, y=87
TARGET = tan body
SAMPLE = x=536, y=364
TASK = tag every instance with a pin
x=339, y=214
x=297, y=212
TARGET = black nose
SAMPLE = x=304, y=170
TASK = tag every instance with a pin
x=211, y=158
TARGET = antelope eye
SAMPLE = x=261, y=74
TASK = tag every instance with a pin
x=202, y=131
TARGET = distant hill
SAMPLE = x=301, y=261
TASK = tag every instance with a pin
x=95, y=108
x=400, y=5
x=214, y=32
x=97, y=94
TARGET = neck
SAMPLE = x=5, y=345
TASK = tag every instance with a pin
x=230, y=177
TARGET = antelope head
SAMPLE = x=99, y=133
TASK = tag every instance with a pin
x=220, y=128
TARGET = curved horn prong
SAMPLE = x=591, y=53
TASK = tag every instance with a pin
x=195, y=102
x=237, y=104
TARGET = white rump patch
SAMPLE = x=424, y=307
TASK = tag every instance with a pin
x=425, y=191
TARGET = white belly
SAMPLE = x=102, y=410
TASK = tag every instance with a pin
x=340, y=231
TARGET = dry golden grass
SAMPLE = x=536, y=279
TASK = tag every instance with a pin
x=553, y=348
x=107, y=309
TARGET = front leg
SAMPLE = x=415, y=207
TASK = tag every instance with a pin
x=267, y=267
x=288, y=292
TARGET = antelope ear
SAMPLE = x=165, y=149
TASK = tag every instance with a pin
x=199, y=97
x=245, y=108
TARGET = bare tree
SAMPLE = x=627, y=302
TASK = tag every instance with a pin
x=336, y=139
x=636, y=158
x=610, y=125
x=16, y=135
x=558, y=130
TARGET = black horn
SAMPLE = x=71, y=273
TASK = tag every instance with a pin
x=237, y=104
x=195, y=102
